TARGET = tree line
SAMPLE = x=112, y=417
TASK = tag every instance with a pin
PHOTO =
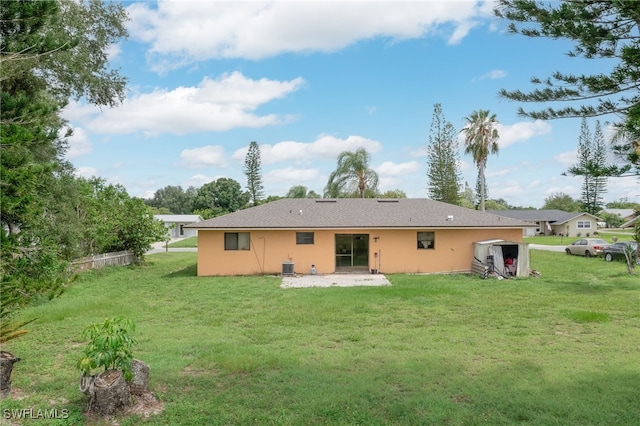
x=52, y=51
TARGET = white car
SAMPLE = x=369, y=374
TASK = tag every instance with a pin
x=587, y=247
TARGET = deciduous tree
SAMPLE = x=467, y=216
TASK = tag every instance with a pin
x=301, y=191
x=561, y=201
x=219, y=197
x=174, y=199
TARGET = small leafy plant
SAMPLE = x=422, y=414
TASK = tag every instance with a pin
x=109, y=347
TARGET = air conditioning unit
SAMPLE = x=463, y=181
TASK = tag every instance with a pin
x=288, y=269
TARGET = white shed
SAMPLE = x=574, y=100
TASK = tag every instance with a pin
x=495, y=255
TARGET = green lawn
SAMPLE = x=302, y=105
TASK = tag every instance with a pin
x=185, y=243
x=561, y=349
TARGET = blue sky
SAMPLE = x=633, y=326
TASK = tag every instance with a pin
x=308, y=80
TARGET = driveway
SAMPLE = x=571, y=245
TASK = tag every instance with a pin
x=160, y=247
x=547, y=248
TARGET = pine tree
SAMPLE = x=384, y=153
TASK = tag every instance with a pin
x=592, y=152
x=443, y=160
x=252, y=169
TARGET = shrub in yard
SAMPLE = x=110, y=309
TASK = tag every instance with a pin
x=109, y=350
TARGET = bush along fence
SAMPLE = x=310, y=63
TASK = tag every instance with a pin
x=118, y=258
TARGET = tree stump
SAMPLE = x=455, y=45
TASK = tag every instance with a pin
x=7, y=359
x=140, y=383
x=108, y=392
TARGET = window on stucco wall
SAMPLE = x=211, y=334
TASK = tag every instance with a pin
x=584, y=224
x=304, y=237
x=426, y=240
x=236, y=241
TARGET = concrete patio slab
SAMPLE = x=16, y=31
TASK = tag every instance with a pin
x=334, y=280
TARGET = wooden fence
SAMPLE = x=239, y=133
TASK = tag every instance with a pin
x=98, y=261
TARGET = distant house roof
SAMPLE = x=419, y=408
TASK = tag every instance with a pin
x=555, y=217
x=631, y=223
x=623, y=213
x=304, y=213
x=178, y=218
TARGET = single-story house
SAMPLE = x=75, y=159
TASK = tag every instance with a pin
x=624, y=214
x=631, y=223
x=553, y=222
x=176, y=224
x=298, y=235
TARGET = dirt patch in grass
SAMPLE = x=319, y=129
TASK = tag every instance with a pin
x=146, y=405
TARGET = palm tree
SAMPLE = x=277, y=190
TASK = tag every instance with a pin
x=481, y=139
x=352, y=177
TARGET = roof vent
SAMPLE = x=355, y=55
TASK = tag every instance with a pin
x=450, y=218
x=325, y=201
x=387, y=200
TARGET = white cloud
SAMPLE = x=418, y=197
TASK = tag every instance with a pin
x=324, y=147
x=214, y=105
x=79, y=143
x=566, y=159
x=181, y=35
x=292, y=175
x=492, y=75
x=206, y=156
x=506, y=191
x=86, y=172
x=198, y=180
x=389, y=168
x=510, y=134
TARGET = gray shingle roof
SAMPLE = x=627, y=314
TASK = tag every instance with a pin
x=552, y=216
x=303, y=213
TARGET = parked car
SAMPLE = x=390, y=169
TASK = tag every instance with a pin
x=587, y=247
x=616, y=250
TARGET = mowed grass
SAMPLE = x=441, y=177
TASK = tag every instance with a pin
x=185, y=243
x=562, y=349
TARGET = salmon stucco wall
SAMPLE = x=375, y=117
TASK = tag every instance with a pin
x=390, y=250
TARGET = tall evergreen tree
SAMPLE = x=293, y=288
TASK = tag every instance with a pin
x=592, y=153
x=599, y=29
x=444, y=179
x=252, y=169
x=481, y=139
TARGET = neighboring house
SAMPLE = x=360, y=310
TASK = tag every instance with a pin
x=553, y=222
x=294, y=235
x=631, y=223
x=175, y=224
x=625, y=214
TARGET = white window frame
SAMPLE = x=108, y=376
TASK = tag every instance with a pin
x=583, y=224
